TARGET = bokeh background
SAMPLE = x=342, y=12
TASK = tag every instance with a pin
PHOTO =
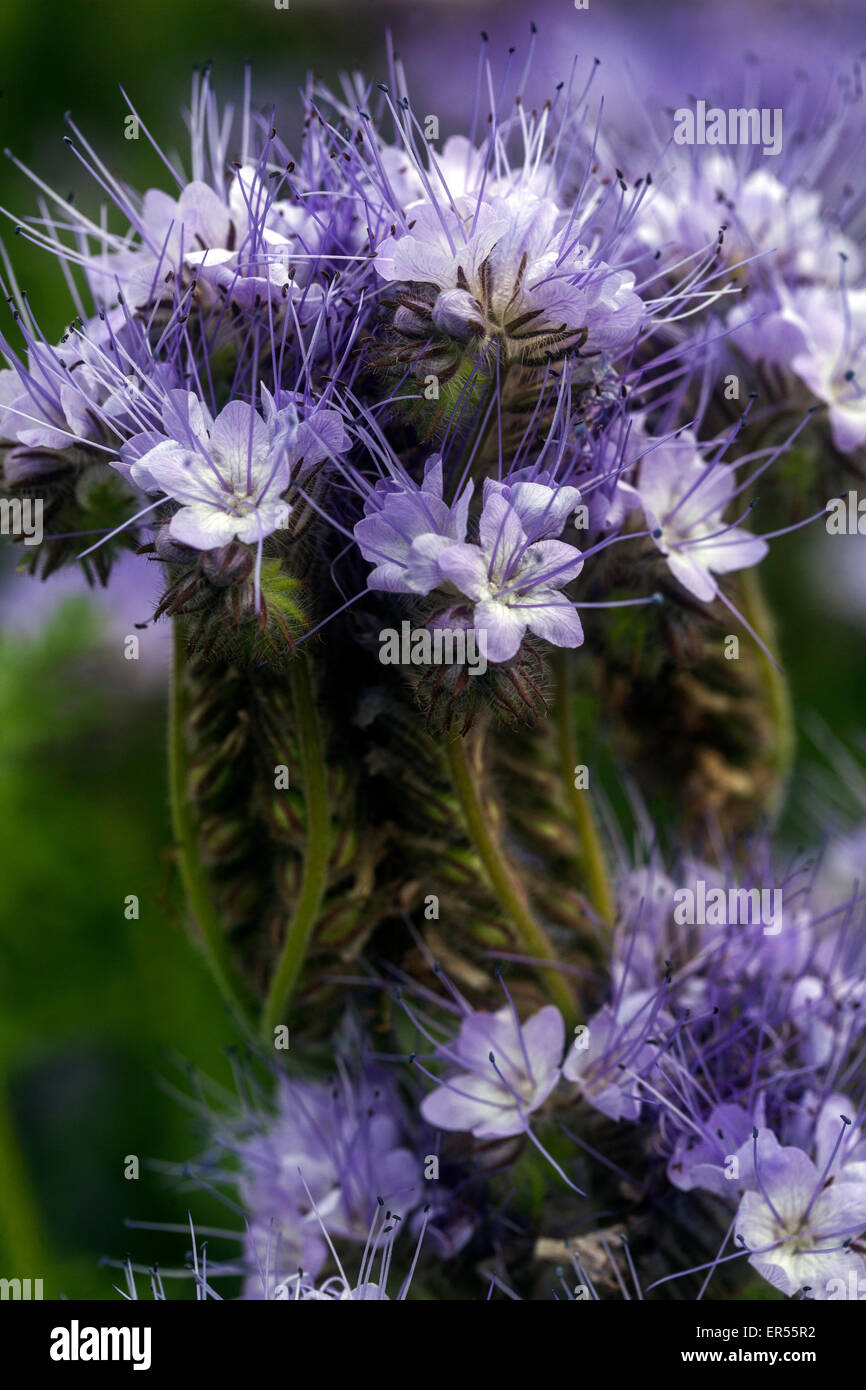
x=100, y=1015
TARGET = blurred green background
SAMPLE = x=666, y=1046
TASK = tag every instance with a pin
x=96, y=1008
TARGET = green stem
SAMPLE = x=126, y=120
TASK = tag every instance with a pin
x=20, y=1235
x=592, y=853
x=501, y=878
x=317, y=853
x=236, y=992
x=757, y=613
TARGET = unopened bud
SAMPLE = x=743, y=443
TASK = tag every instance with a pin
x=458, y=314
x=22, y=465
x=407, y=321
x=231, y=564
x=170, y=550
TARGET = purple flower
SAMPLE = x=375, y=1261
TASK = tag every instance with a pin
x=818, y=336
x=614, y=1050
x=406, y=528
x=507, y=1069
x=514, y=583
x=324, y=1157
x=611, y=459
x=542, y=505
x=721, y=1158
x=246, y=227
x=683, y=498
x=522, y=282
x=783, y=226
x=245, y=246
x=463, y=169
x=229, y=474
x=815, y=1128
x=799, y=1227
x=827, y=996
x=97, y=384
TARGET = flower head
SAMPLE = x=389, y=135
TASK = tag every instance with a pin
x=505, y=274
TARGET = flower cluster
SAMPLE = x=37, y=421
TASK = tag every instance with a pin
x=503, y=291
x=731, y=1043
x=724, y=1042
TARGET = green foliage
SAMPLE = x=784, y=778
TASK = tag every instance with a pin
x=96, y=999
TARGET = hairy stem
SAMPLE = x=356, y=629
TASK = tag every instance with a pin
x=235, y=990
x=757, y=613
x=592, y=855
x=506, y=888
x=318, y=847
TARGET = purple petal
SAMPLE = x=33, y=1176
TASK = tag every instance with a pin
x=466, y=567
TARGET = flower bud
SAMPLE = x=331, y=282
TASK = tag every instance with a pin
x=170, y=550
x=23, y=465
x=407, y=321
x=231, y=564
x=458, y=314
